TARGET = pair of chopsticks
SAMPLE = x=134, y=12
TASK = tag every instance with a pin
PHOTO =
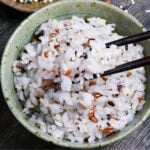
x=133, y=64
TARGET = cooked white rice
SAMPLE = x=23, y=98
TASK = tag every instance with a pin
x=57, y=80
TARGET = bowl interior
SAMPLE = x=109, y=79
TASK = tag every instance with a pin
x=125, y=25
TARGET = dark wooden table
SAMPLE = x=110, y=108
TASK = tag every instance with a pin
x=14, y=136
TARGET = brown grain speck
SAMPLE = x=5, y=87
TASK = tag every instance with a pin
x=46, y=54
x=57, y=30
x=91, y=113
x=92, y=83
x=68, y=73
x=141, y=99
x=104, y=78
x=94, y=119
x=97, y=95
x=108, y=130
x=52, y=35
x=129, y=74
x=57, y=46
x=47, y=84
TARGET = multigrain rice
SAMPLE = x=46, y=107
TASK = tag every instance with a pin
x=57, y=80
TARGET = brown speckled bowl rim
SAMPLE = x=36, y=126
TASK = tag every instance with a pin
x=36, y=131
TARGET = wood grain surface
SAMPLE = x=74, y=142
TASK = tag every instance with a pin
x=15, y=136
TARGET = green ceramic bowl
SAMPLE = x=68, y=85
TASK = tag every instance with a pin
x=126, y=24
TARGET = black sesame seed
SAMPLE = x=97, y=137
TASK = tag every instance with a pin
x=86, y=20
x=108, y=116
x=134, y=44
x=75, y=52
x=126, y=112
x=78, y=82
x=67, y=43
x=126, y=47
x=79, y=119
x=115, y=95
x=94, y=76
x=23, y=70
x=55, y=90
x=83, y=71
x=125, y=7
x=85, y=79
x=90, y=49
x=25, y=51
x=119, y=87
x=85, y=56
x=76, y=75
x=108, y=123
x=111, y=103
x=107, y=46
x=71, y=59
x=75, y=82
x=41, y=33
x=76, y=91
x=56, y=76
x=86, y=139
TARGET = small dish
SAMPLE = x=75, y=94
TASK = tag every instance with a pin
x=27, y=7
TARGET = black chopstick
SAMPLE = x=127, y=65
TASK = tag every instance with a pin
x=130, y=39
x=128, y=66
